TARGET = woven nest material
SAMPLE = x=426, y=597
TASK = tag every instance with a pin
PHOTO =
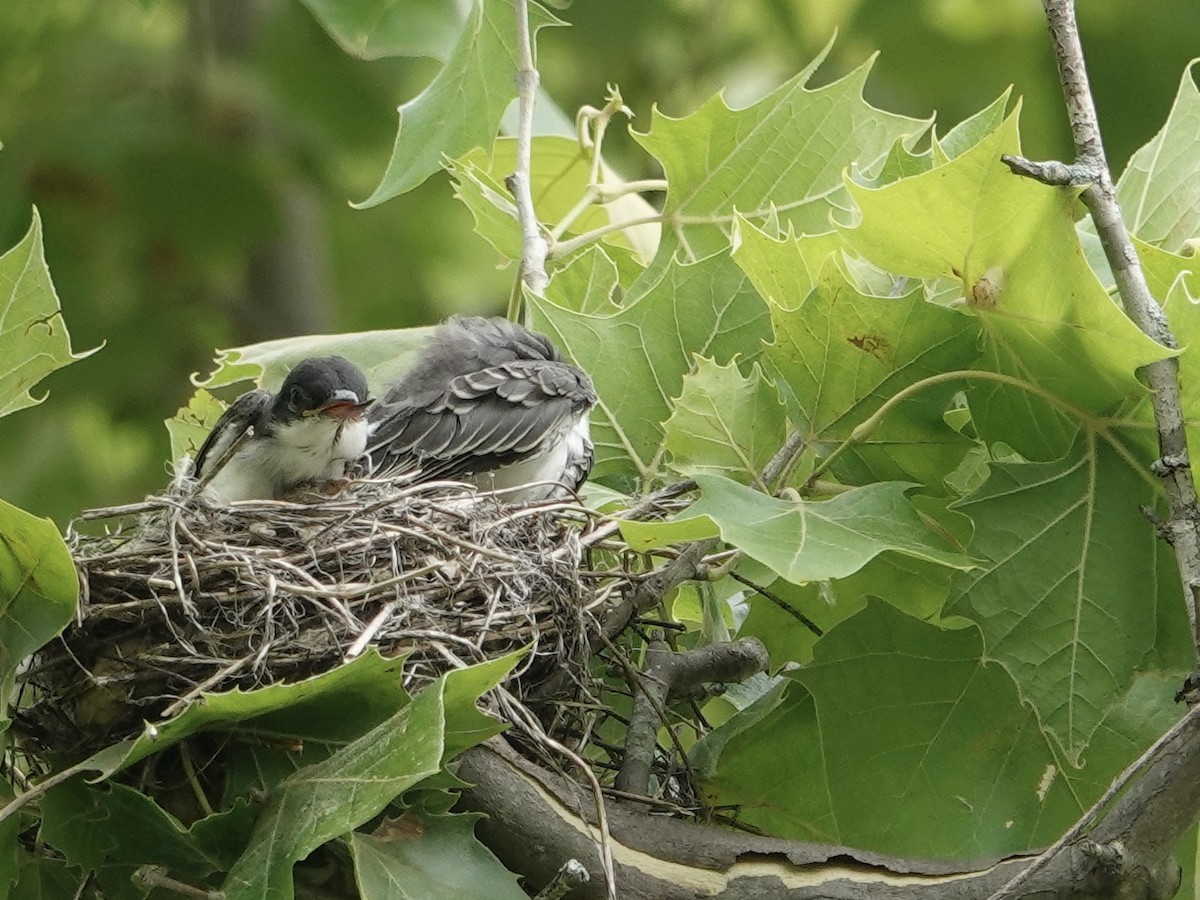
x=193, y=598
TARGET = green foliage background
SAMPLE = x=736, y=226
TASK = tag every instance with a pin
x=193, y=161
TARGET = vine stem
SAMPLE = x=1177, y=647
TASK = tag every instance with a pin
x=533, y=245
x=1100, y=196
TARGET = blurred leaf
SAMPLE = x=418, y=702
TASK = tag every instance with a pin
x=38, y=590
x=358, y=781
x=10, y=859
x=724, y=424
x=429, y=858
x=1060, y=595
x=372, y=29
x=461, y=108
x=900, y=738
x=802, y=540
x=784, y=155
x=1159, y=191
x=706, y=308
x=33, y=337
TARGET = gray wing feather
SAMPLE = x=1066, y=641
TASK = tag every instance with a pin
x=478, y=421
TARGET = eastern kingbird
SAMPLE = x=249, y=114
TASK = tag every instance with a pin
x=491, y=403
x=310, y=431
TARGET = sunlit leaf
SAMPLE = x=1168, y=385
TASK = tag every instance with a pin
x=33, y=337
x=462, y=106
x=784, y=155
x=1159, y=191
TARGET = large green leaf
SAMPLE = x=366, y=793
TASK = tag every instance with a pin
x=1011, y=243
x=783, y=156
x=38, y=590
x=1159, y=190
x=639, y=354
x=724, y=423
x=461, y=108
x=905, y=738
x=332, y=797
x=802, y=540
x=33, y=337
x=428, y=857
x=840, y=354
x=1061, y=597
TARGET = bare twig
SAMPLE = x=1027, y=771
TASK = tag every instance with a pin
x=1091, y=167
x=534, y=247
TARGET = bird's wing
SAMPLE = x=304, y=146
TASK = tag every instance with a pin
x=252, y=408
x=481, y=421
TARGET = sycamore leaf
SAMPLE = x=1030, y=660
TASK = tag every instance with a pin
x=639, y=354
x=1061, y=596
x=970, y=131
x=33, y=337
x=905, y=738
x=429, y=857
x=1012, y=244
x=369, y=683
x=336, y=795
x=802, y=540
x=190, y=426
x=558, y=179
x=588, y=283
x=382, y=355
x=38, y=589
x=462, y=107
x=1183, y=315
x=840, y=354
x=724, y=424
x=372, y=29
x=1159, y=191
x=785, y=155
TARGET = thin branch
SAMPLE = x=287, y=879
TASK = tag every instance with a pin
x=534, y=247
x=1091, y=167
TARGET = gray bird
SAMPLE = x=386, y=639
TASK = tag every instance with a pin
x=491, y=403
x=309, y=432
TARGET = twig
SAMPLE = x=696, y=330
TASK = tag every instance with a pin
x=572, y=875
x=533, y=247
x=668, y=674
x=1091, y=167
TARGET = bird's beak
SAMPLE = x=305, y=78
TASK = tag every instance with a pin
x=344, y=405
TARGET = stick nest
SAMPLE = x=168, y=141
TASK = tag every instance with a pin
x=186, y=598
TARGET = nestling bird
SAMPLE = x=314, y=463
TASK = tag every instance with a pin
x=491, y=403
x=310, y=431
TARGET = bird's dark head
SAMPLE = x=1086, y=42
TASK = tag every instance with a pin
x=322, y=386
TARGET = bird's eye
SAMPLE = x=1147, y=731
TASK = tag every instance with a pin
x=299, y=398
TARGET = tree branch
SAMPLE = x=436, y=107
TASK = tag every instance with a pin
x=534, y=247
x=1091, y=167
x=668, y=675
